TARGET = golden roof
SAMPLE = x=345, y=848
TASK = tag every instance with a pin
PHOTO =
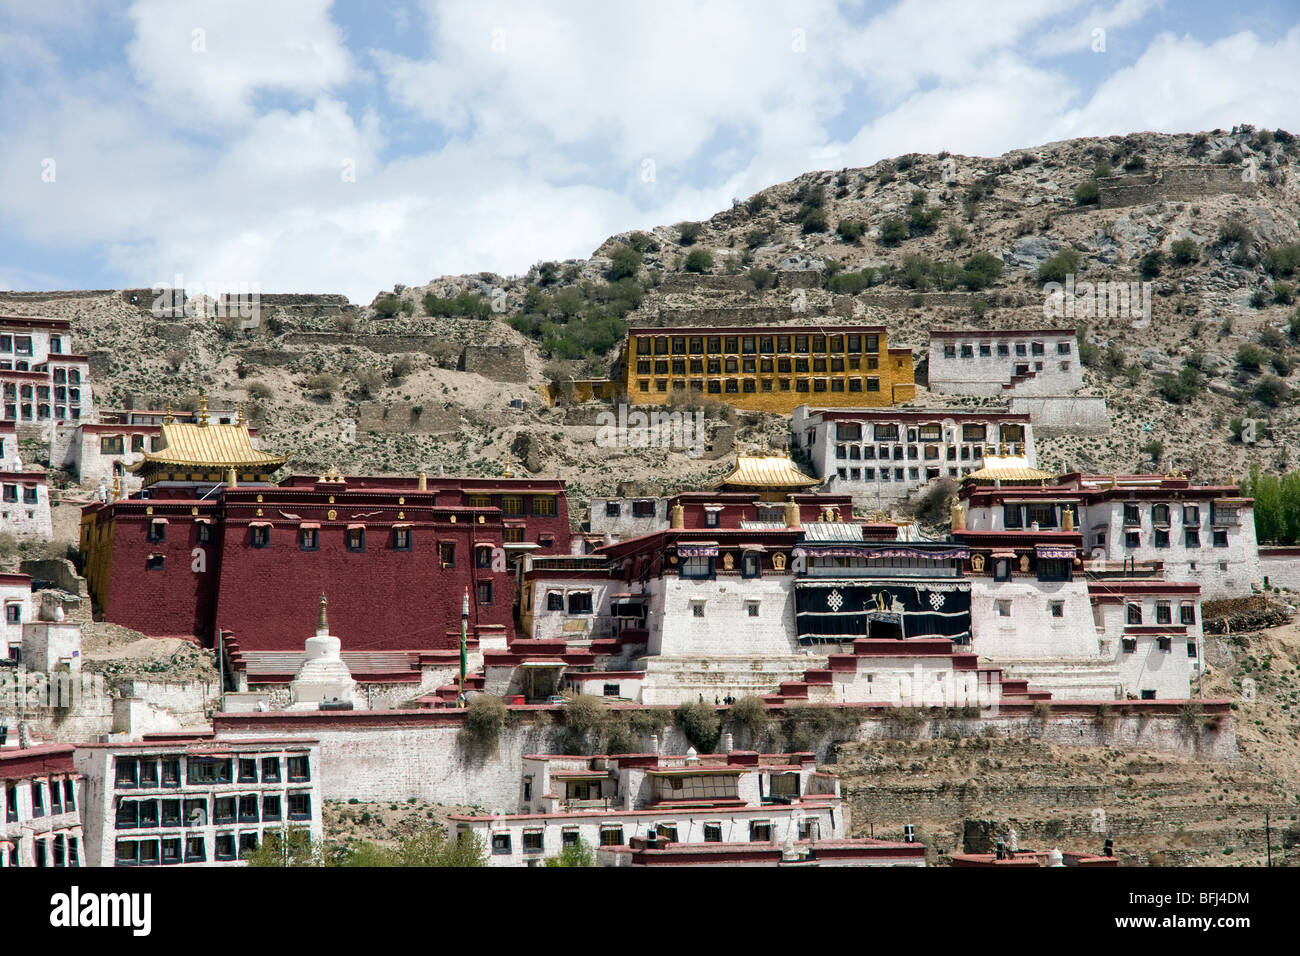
x=208, y=446
x=1008, y=468
x=774, y=471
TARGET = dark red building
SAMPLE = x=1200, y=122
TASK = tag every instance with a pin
x=197, y=553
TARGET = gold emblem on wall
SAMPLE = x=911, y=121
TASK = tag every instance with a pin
x=728, y=561
x=259, y=497
x=194, y=511
x=401, y=515
x=331, y=499
x=401, y=501
x=977, y=562
x=149, y=510
x=778, y=561
x=259, y=512
x=1024, y=562
x=331, y=514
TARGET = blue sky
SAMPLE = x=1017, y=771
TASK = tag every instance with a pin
x=304, y=145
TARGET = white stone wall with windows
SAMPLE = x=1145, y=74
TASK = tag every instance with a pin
x=879, y=459
x=170, y=805
x=724, y=616
x=574, y=609
x=1027, y=362
x=1027, y=618
x=1156, y=643
x=25, y=505
x=40, y=821
x=16, y=596
x=1204, y=541
x=623, y=518
x=41, y=381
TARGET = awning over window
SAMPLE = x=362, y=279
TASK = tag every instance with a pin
x=354, y=527
x=157, y=520
x=260, y=524
x=308, y=525
x=697, y=550
x=1054, y=551
x=1003, y=554
x=403, y=524
x=203, y=521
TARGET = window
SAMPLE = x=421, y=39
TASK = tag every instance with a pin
x=202, y=533
x=298, y=768
x=38, y=799
x=1191, y=537
x=533, y=841
x=1220, y=538
x=697, y=609
x=1187, y=614
x=225, y=848
x=500, y=843
x=697, y=567
x=1160, y=515
x=128, y=814
x=483, y=556
x=223, y=810
x=1191, y=648
x=485, y=592
x=612, y=509
x=196, y=812
x=1135, y=613
x=260, y=535
x=1132, y=539
x=447, y=553
x=643, y=509
x=713, y=833
x=127, y=853
x=1131, y=515
x=610, y=690
x=1162, y=537
x=1192, y=514
x=356, y=539
x=270, y=769
x=1057, y=608
x=308, y=539
x=1002, y=569
x=157, y=531
x=11, y=803
x=611, y=836
x=401, y=539
x=1164, y=642
x=579, y=602
x=1003, y=608
x=760, y=831
x=555, y=600
x=751, y=565
x=111, y=445
x=809, y=829
x=512, y=504
x=248, y=808
x=1129, y=644
x=544, y=506
x=711, y=518
x=171, y=850
x=195, y=850
x=1164, y=614
x=69, y=795
x=13, y=613
x=666, y=831
x=300, y=806
x=209, y=770
x=30, y=495
x=1011, y=516
x=271, y=808
x=56, y=797
x=171, y=813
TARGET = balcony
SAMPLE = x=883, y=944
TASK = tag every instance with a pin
x=576, y=806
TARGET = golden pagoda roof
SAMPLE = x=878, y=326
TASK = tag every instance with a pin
x=1008, y=468
x=767, y=471
x=208, y=446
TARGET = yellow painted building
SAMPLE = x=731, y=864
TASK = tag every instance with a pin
x=768, y=368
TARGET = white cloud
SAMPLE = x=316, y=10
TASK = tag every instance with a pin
x=1080, y=34
x=203, y=62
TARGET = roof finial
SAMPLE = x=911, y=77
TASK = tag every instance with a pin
x=203, y=409
x=168, y=418
x=507, y=473
x=239, y=414
x=322, y=625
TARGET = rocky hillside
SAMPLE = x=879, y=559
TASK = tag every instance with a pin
x=914, y=243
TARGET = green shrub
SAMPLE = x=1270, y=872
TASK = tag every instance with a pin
x=323, y=384
x=1151, y=264
x=980, y=270
x=893, y=231
x=761, y=278
x=1283, y=260
x=813, y=219
x=688, y=232
x=850, y=230
x=468, y=304
x=388, y=306
x=757, y=237
x=1235, y=231
x=749, y=712
x=623, y=263
x=1272, y=391
x=1183, y=251
x=574, y=854
x=369, y=381
x=485, y=718
x=851, y=283
x=1086, y=193
x=698, y=261
x=922, y=220
x=701, y=725
x=642, y=242
x=1055, y=269
x=1283, y=293
x=1182, y=388
x=1258, y=299
x=259, y=391
x=1252, y=357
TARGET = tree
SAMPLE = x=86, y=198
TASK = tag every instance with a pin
x=699, y=261
x=1151, y=264
x=700, y=724
x=980, y=270
x=575, y=854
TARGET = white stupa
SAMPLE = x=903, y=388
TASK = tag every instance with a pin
x=323, y=675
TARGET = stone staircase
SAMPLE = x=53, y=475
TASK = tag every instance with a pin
x=675, y=680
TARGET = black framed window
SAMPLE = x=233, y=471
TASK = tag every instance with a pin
x=259, y=535
x=401, y=539
x=270, y=769
x=308, y=539
x=356, y=539
x=299, y=768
